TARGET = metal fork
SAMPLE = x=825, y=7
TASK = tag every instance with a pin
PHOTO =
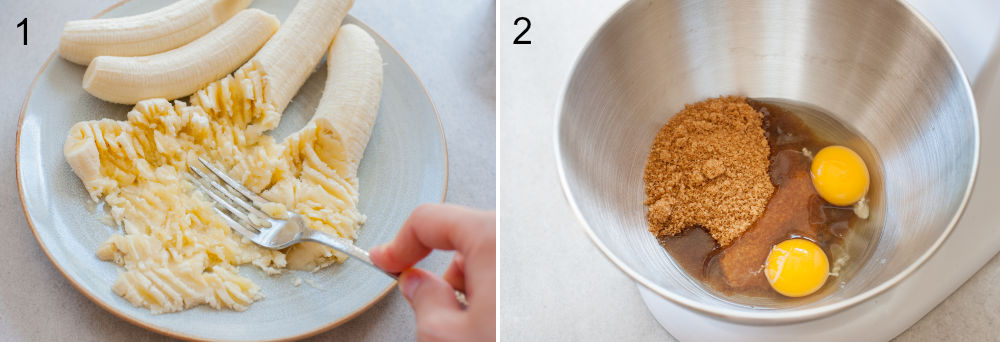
x=239, y=207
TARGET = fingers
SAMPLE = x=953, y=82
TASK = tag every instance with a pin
x=455, y=275
x=472, y=234
x=434, y=304
x=480, y=270
x=433, y=226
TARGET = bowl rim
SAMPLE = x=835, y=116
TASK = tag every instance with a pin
x=763, y=317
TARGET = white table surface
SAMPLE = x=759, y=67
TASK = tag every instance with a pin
x=565, y=289
x=450, y=45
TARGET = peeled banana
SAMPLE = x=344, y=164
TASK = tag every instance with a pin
x=292, y=54
x=353, y=90
x=145, y=34
x=184, y=70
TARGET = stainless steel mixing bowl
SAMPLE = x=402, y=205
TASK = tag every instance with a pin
x=877, y=66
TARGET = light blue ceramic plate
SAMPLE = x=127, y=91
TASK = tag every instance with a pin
x=405, y=164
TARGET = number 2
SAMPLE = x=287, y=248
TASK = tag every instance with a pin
x=518, y=40
x=24, y=22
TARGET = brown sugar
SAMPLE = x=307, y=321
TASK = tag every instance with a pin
x=708, y=167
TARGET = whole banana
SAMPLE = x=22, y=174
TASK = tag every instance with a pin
x=145, y=34
x=353, y=90
x=184, y=70
x=293, y=53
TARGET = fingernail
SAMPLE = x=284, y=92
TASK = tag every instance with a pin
x=409, y=284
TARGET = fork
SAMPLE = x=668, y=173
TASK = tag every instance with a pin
x=239, y=207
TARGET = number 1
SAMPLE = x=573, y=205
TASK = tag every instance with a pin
x=24, y=22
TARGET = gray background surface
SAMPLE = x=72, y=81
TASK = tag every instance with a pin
x=449, y=44
x=564, y=288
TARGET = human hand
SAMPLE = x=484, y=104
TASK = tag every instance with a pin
x=472, y=235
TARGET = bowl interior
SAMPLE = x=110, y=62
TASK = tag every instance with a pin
x=876, y=66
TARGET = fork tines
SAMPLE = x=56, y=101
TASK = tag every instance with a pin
x=233, y=198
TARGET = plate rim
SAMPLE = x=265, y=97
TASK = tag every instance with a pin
x=167, y=331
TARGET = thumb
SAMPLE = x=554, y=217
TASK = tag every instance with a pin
x=428, y=294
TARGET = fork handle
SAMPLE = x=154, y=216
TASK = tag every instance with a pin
x=344, y=245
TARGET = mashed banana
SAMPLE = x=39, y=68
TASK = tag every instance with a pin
x=175, y=250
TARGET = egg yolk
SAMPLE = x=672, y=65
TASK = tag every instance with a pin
x=839, y=175
x=797, y=267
